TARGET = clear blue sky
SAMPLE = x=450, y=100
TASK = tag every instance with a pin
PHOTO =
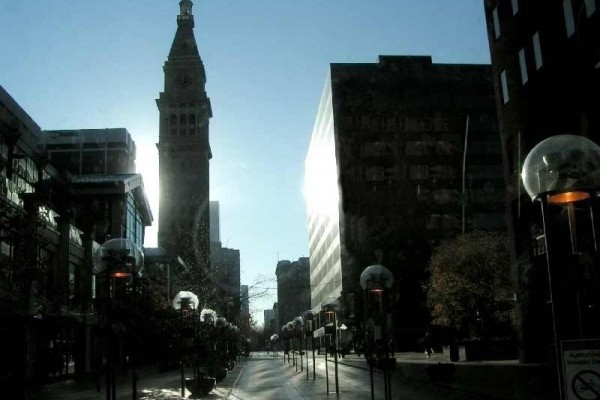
x=96, y=64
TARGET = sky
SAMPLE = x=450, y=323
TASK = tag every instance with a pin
x=98, y=64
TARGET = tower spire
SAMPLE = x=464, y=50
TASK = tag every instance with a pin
x=185, y=11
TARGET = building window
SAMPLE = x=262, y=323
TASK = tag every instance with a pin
x=523, y=66
x=182, y=123
x=515, y=6
x=504, y=86
x=537, y=50
x=496, y=23
x=191, y=124
x=374, y=173
x=173, y=124
x=590, y=7
x=569, y=20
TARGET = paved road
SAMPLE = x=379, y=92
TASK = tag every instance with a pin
x=265, y=377
x=262, y=377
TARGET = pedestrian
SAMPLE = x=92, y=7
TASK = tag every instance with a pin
x=427, y=343
x=392, y=347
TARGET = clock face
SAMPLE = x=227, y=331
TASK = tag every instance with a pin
x=184, y=81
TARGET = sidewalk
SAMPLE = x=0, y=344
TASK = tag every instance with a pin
x=496, y=379
x=151, y=385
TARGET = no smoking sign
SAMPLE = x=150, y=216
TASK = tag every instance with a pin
x=581, y=369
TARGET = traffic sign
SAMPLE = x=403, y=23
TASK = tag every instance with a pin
x=581, y=369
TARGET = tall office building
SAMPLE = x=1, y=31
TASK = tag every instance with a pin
x=269, y=318
x=90, y=151
x=404, y=153
x=245, y=317
x=293, y=289
x=215, y=225
x=225, y=270
x=546, y=70
x=183, y=148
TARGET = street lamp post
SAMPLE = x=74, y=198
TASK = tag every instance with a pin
x=562, y=174
x=274, y=340
x=330, y=306
x=220, y=324
x=298, y=323
x=309, y=317
x=376, y=280
x=117, y=260
x=186, y=303
x=290, y=326
x=286, y=344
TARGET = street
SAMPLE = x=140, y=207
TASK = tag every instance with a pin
x=266, y=377
x=263, y=377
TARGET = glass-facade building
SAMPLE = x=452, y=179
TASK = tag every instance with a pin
x=322, y=194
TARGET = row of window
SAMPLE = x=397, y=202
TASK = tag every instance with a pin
x=429, y=147
x=394, y=123
x=569, y=15
x=424, y=172
x=134, y=227
x=570, y=18
x=316, y=237
x=183, y=125
x=477, y=220
x=538, y=62
x=496, y=18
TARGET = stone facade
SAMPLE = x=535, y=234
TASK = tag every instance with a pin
x=183, y=149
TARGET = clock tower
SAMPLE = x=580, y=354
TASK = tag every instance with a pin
x=183, y=148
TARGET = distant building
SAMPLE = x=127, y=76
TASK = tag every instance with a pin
x=225, y=267
x=162, y=267
x=404, y=153
x=183, y=149
x=293, y=289
x=90, y=151
x=277, y=326
x=269, y=318
x=215, y=232
x=245, y=317
x=546, y=72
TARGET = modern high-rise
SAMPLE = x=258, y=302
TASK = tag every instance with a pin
x=546, y=72
x=183, y=148
x=245, y=316
x=270, y=319
x=293, y=289
x=404, y=153
x=225, y=270
x=215, y=225
x=90, y=151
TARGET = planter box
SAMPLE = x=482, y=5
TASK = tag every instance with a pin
x=200, y=387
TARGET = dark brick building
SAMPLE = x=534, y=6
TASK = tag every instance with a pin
x=404, y=153
x=546, y=71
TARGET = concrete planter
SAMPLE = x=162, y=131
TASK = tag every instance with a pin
x=200, y=386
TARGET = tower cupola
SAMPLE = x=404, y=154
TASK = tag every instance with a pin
x=185, y=10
